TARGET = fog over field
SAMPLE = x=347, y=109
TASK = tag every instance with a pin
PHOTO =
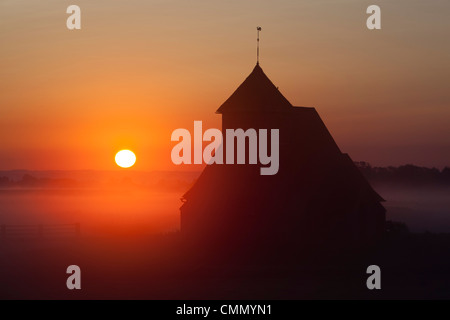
x=422, y=209
x=123, y=254
x=103, y=203
x=114, y=202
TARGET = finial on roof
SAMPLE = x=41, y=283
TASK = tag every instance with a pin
x=258, y=29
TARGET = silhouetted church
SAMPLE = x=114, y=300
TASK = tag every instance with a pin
x=317, y=196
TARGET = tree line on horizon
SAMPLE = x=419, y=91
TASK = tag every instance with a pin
x=405, y=174
x=29, y=181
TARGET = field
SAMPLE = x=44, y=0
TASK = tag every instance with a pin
x=129, y=247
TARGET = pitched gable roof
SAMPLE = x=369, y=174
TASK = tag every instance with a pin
x=256, y=94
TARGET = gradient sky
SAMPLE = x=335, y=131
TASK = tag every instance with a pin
x=139, y=69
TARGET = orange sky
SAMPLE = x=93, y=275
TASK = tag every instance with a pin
x=137, y=70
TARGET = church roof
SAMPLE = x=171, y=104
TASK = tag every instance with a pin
x=256, y=94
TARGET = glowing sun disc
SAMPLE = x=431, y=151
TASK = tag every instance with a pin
x=125, y=158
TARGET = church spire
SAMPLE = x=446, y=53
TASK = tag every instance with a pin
x=258, y=29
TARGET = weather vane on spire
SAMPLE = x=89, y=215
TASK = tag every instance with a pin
x=258, y=29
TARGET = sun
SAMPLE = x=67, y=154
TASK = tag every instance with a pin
x=125, y=158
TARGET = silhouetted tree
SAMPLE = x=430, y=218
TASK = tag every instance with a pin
x=407, y=174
